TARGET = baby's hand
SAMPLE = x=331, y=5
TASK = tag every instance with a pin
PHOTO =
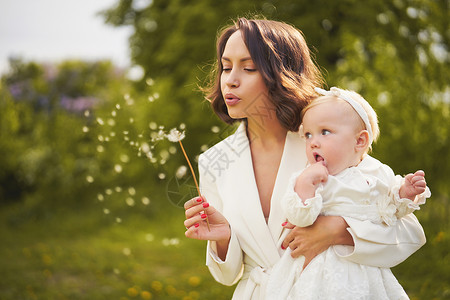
x=307, y=181
x=414, y=185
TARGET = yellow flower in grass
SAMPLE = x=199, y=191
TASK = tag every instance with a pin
x=133, y=291
x=194, y=281
x=146, y=295
x=157, y=286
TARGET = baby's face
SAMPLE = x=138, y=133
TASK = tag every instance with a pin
x=331, y=131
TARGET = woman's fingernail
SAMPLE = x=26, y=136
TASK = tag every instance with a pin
x=199, y=199
x=283, y=247
x=205, y=204
x=196, y=225
x=284, y=224
x=203, y=216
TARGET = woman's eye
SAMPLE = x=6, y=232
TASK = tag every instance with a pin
x=250, y=70
x=226, y=69
x=325, y=132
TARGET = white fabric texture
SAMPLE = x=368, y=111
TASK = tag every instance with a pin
x=228, y=183
x=368, y=192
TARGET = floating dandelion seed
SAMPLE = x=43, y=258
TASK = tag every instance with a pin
x=85, y=129
x=112, y=134
x=150, y=81
x=149, y=237
x=152, y=125
x=100, y=197
x=215, y=129
x=124, y=158
x=100, y=148
x=111, y=122
x=161, y=176
x=130, y=201
x=126, y=251
x=176, y=136
x=89, y=179
x=113, y=113
x=118, y=168
x=131, y=120
x=145, y=201
x=132, y=191
x=118, y=220
x=118, y=106
x=181, y=171
x=86, y=113
x=106, y=211
x=108, y=191
x=118, y=189
x=100, y=121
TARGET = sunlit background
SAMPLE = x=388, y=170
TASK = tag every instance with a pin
x=91, y=190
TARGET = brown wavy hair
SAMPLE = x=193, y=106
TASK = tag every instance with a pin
x=282, y=56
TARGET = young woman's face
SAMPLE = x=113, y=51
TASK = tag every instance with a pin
x=242, y=85
x=331, y=132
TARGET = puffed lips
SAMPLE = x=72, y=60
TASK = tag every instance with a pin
x=231, y=99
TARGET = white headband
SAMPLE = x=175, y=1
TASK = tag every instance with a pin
x=345, y=95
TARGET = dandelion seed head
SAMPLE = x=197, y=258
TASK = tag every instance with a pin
x=101, y=138
x=100, y=197
x=113, y=113
x=145, y=148
x=150, y=81
x=89, y=179
x=182, y=126
x=156, y=95
x=111, y=122
x=132, y=191
x=215, y=129
x=100, y=148
x=106, y=211
x=161, y=176
x=118, y=106
x=108, y=191
x=118, y=189
x=112, y=134
x=118, y=220
x=175, y=136
x=162, y=161
x=106, y=139
x=87, y=113
x=152, y=125
x=85, y=129
x=151, y=99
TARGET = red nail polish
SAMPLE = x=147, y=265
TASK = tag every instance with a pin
x=199, y=199
x=196, y=225
x=205, y=204
x=284, y=224
x=281, y=245
x=203, y=216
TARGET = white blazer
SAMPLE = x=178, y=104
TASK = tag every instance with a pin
x=228, y=183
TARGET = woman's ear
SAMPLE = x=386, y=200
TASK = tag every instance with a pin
x=362, y=140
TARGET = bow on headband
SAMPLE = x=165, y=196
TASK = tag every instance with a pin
x=346, y=96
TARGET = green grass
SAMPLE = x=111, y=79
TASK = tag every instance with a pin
x=86, y=254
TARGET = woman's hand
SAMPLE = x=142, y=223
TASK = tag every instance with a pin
x=312, y=240
x=197, y=210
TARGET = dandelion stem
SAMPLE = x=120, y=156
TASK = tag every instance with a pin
x=193, y=175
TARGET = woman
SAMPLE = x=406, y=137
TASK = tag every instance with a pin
x=265, y=76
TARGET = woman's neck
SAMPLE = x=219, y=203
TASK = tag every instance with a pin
x=265, y=133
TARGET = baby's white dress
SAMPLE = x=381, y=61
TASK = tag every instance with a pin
x=369, y=192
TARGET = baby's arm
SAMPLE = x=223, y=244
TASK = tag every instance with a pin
x=414, y=185
x=309, y=179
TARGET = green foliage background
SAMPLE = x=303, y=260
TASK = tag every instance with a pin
x=89, y=197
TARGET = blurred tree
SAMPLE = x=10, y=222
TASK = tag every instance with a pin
x=394, y=52
x=44, y=154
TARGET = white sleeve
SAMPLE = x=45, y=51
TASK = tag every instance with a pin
x=299, y=213
x=381, y=245
x=229, y=271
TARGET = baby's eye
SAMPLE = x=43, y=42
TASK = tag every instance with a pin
x=307, y=135
x=325, y=132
